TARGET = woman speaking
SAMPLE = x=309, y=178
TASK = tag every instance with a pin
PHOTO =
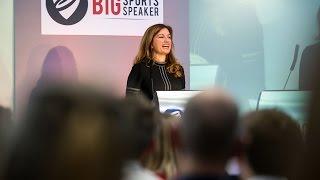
x=155, y=66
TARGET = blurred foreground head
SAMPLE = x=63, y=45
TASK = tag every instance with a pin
x=209, y=126
x=67, y=133
x=141, y=118
x=273, y=143
x=163, y=156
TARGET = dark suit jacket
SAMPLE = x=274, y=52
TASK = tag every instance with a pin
x=308, y=66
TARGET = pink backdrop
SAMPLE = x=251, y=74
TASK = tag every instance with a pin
x=103, y=61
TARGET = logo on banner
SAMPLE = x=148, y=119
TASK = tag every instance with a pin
x=67, y=12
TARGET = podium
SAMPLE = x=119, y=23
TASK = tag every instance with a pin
x=293, y=102
x=173, y=102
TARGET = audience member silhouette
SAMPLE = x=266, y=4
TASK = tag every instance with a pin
x=163, y=158
x=67, y=133
x=141, y=118
x=273, y=145
x=208, y=134
x=308, y=65
x=310, y=166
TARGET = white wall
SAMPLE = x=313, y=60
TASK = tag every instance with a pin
x=6, y=53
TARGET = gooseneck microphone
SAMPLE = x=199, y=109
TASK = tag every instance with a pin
x=294, y=62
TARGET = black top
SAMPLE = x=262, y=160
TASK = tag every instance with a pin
x=149, y=76
x=308, y=66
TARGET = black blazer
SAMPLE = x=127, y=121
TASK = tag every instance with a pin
x=308, y=66
x=145, y=78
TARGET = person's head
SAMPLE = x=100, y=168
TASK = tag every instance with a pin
x=273, y=142
x=208, y=129
x=161, y=43
x=140, y=118
x=158, y=41
x=163, y=156
x=67, y=133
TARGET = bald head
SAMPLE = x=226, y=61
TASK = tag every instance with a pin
x=209, y=125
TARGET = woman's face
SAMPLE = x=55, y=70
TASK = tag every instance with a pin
x=161, y=43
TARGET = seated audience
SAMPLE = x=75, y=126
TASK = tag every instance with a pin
x=273, y=143
x=208, y=136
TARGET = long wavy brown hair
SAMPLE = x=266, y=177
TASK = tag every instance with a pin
x=163, y=158
x=145, y=50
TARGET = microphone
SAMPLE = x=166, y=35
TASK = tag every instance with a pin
x=294, y=62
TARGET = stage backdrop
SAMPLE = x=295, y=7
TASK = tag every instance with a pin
x=244, y=45
x=248, y=46
x=102, y=50
x=6, y=53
